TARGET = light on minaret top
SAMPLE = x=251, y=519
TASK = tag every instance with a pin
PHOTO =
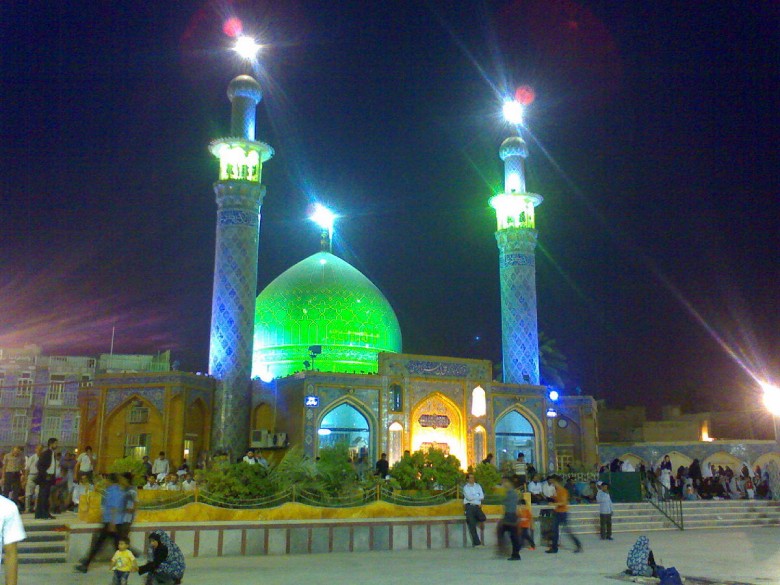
x=514, y=207
x=240, y=156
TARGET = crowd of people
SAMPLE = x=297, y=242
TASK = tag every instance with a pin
x=49, y=481
x=516, y=522
x=700, y=481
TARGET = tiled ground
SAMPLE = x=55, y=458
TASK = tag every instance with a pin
x=725, y=556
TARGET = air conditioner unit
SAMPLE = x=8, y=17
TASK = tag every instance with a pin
x=259, y=438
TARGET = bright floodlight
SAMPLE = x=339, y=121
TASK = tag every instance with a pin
x=553, y=395
x=246, y=47
x=323, y=217
x=513, y=112
x=771, y=398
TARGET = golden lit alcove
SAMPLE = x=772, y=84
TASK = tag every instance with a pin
x=437, y=422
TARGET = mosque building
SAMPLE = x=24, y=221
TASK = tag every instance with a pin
x=317, y=358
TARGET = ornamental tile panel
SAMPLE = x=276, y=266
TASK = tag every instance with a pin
x=115, y=397
x=520, y=337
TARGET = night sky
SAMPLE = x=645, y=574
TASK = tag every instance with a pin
x=653, y=138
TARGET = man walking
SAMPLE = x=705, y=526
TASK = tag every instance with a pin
x=472, y=502
x=47, y=472
x=13, y=466
x=605, y=511
x=113, y=514
x=561, y=517
x=509, y=521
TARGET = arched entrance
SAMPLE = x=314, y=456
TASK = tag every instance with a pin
x=196, y=429
x=346, y=425
x=437, y=423
x=515, y=434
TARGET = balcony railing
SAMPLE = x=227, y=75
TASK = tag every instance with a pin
x=11, y=399
x=13, y=436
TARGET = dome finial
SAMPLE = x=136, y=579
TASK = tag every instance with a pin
x=324, y=218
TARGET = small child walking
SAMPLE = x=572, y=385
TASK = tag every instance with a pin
x=524, y=525
x=123, y=562
x=605, y=511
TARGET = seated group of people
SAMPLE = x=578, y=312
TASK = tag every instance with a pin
x=708, y=482
x=170, y=482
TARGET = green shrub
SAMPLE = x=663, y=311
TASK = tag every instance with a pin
x=426, y=470
x=335, y=471
x=235, y=483
x=487, y=476
x=134, y=466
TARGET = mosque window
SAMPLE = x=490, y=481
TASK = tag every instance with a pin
x=56, y=390
x=396, y=398
x=137, y=445
x=395, y=442
x=19, y=426
x=138, y=414
x=52, y=427
x=24, y=385
x=478, y=402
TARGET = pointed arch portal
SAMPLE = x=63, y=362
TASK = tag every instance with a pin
x=515, y=434
x=346, y=425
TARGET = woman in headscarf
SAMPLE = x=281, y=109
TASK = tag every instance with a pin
x=640, y=558
x=166, y=566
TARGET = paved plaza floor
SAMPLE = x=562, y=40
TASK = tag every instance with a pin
x=724, y=556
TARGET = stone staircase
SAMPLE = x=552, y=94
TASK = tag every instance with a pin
x=643, y=517
x=730, y=514
x=46, y=542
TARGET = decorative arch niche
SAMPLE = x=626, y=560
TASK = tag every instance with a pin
x=437, y=422
x=118, y=431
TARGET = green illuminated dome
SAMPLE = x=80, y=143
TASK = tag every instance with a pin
x=324, y=301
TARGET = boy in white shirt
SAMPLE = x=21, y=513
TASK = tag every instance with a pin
x=81, y=488
x=11, y=532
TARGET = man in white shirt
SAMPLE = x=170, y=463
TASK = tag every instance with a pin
x=535, y=488
x=627, y=467
x=472, y=501
x=605, y=511
x=30, y=474
x=548, y=490
x=250, y=457
x=11, y=532
x=188, y=485
x=161, y=467
x=85, y=464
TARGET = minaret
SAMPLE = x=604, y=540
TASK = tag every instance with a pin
x=516, y=236
x=239, y=198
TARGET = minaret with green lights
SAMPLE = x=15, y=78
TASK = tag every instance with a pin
x=516, y=237
x=239, y=198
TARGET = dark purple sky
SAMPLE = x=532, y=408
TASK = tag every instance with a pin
x=653, y=139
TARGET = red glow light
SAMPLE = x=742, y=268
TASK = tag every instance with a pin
x=525, y=94
x=233, y=27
